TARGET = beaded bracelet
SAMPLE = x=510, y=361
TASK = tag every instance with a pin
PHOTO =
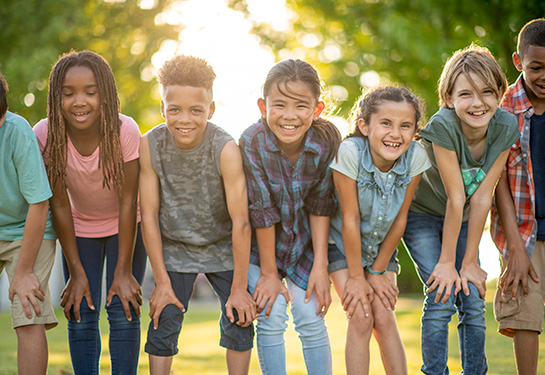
x=375, y=272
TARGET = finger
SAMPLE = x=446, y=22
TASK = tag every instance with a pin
x=136, y=306
x=438, y=293
x=308, y=293
x=482, y=289
x=465, y=287
x=179, y=305
x=458, y=286
x=229, y=313
x=76, y=312
x=286, y=295
x=36, y=307
x=67, y=313
x=127, y=309
x=431, y=279
x=433, y=286
x=327, y=304
x=89, y=301
x=109, y=297
x=11, y=294
x=269, y=306
x=26, y=307
x=533, y=274
x=40, y=294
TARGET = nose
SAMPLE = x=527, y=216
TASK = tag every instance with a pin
x=477, y=101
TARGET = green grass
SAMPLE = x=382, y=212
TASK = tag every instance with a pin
x=200, y=353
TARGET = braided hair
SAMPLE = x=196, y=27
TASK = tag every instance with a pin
x=110, y=154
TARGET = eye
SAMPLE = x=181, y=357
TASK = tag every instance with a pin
x=92, y=93
x=535, y=68
x=173, y=110
x=465, y=94
x=385, y=123
x=196, y=111
x=278, y=105
x=407, y=126
x=488, y=92
x=67, y=94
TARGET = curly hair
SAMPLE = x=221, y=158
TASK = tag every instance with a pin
x=185, y=70
x=532, y=34
x=110, y=154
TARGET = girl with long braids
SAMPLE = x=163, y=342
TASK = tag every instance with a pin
x=91, y=154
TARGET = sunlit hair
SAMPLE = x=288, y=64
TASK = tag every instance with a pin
x=371, y=100
x=473, y=59
x=110, y=155
x=532, y=34
x=184, y=70
x=291, y=70
x=3, y=96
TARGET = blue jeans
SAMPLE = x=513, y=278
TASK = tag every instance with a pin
x=84, y=337
x=423, y=237
x=270, y=331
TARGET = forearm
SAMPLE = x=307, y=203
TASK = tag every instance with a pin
x=478, y=210
x=242, y=233
x=508, y=217
x=151, y=234
x=319, y=229
x=266, y=244
x=352, y=246
x=66, y=233
x=451, y=231
x=126, y=236
x=389, y=244
x=32, y=236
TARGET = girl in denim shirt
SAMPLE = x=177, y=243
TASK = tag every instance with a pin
x=376, y=173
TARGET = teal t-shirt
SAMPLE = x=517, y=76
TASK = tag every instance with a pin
x=23, y=179
x=444, y=129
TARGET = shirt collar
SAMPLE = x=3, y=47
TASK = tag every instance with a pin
x=522, y=103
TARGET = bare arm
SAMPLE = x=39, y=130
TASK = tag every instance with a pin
x=124, y=285
x=357, y=289
x=479, y=205
x=318, y=280
x=518, y=263
x=25, y=283
x=382, y=284
x=444, y=275
x=237, y=204
x=77, y=286
x=149, y=186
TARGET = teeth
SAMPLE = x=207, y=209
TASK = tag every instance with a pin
x=392, y=144
x=288, y=127
x=81, y=114
x=185, y=130
x=477, y=113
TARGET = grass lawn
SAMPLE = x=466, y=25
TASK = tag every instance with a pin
x=200, y=354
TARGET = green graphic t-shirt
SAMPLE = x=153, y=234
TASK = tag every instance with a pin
x=444, y=129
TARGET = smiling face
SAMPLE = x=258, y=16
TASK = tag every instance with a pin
x=532, y=64
x=475, y=104
x=390, y=131
x=289, y=117
x=80, y=100
x=186, y=110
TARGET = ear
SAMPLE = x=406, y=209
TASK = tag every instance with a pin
x=262, y=107
x=449, y=103
x=318, y=109
x=163, y=115
x=363, y=127
x=517, y=62
x=211, y=110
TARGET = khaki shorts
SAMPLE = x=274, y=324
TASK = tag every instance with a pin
x=9, y=255
x=526, y=312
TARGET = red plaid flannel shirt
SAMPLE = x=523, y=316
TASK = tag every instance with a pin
x=519, y=173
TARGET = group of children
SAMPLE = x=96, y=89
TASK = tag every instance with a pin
x=271, y=221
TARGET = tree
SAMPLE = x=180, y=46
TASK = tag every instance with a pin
x=405, y=41
x=125, y=32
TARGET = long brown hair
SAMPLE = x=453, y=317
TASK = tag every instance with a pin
x=110, y=155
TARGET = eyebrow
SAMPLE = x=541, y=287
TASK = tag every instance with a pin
x=88, y=86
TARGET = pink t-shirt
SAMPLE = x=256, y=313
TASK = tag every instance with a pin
x=95, y=209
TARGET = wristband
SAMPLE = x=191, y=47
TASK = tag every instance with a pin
x=376, y=272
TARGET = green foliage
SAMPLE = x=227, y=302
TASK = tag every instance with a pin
x=36, y=32
x=405, y=41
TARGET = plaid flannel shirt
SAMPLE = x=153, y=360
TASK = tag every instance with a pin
x=519, y=173
x=282, y=194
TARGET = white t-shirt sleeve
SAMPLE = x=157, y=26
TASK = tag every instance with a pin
x=347, y=160
x=420, y=161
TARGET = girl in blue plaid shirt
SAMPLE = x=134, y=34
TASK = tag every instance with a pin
x=286, y=157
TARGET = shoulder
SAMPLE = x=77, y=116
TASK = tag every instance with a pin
x=218, y=134
x=443, y=128
x=253, y=131
x=17, y=126
x=128, y=123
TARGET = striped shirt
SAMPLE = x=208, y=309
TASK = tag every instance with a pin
x=283, y=194
x=519, y=173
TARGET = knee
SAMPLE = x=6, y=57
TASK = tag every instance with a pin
x=384, y=321
x=276, y=323
x=437, y=310
x=360, y=324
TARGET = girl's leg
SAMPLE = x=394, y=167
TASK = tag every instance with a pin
x=387, y=335
x=358, y=333
x=270, y=331
x=124, y=335
x=423, y=235
x=471, y=320
x=312, y=331
x=84, y=337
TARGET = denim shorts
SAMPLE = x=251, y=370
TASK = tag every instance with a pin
x=163, y=342
x=337, y=260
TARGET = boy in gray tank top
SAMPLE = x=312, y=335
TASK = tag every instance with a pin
x=194, y=216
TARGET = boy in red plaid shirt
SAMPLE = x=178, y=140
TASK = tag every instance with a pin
x=518, y=218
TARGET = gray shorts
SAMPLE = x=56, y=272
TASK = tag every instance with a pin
x=163, y=342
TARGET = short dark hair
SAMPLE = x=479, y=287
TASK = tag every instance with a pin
x=3, y=95
x=184, y=70
x=532, y=34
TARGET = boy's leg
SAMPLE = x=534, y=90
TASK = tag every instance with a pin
x=237, y=340
x=312, y=331
x=162, y=343
x=522, y=318
x=124, y=335
x=32, y=351
x=84, y=337
x=423, y=236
